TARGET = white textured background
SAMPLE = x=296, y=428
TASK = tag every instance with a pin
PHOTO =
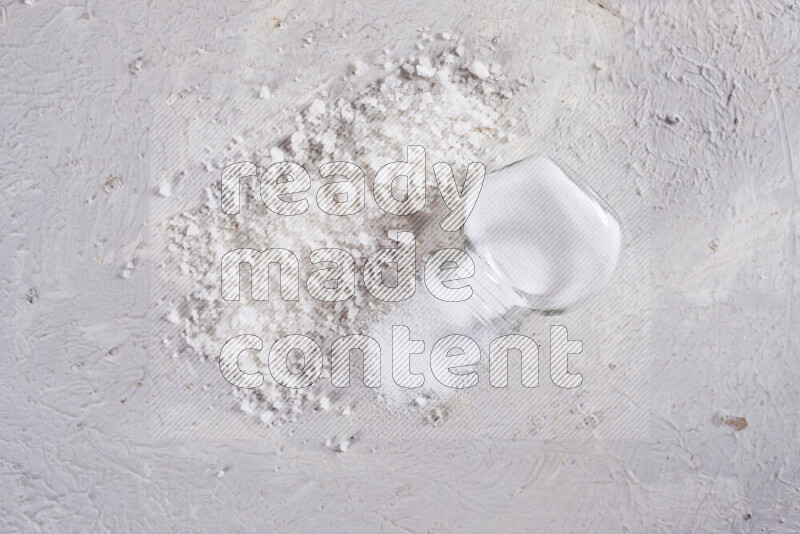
x=703, y=96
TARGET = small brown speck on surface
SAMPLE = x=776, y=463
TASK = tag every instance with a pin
x=736, y=423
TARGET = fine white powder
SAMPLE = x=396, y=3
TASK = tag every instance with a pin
x=452, y=107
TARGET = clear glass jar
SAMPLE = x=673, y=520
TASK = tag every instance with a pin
x=542, y=240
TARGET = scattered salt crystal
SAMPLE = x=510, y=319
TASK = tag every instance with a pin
x=246, y=407
x=479, y=70
x=328, y=141
x=276, y=154
x=359, y=68
x=127, y=270
x=297, y=140
x=315, y=110
x=264, y=92
x=173, y=317
x=325, y=403
x=135, y=66
x=165, y=189
x=424, y=68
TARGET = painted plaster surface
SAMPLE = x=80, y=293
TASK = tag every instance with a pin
x=686, y=114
